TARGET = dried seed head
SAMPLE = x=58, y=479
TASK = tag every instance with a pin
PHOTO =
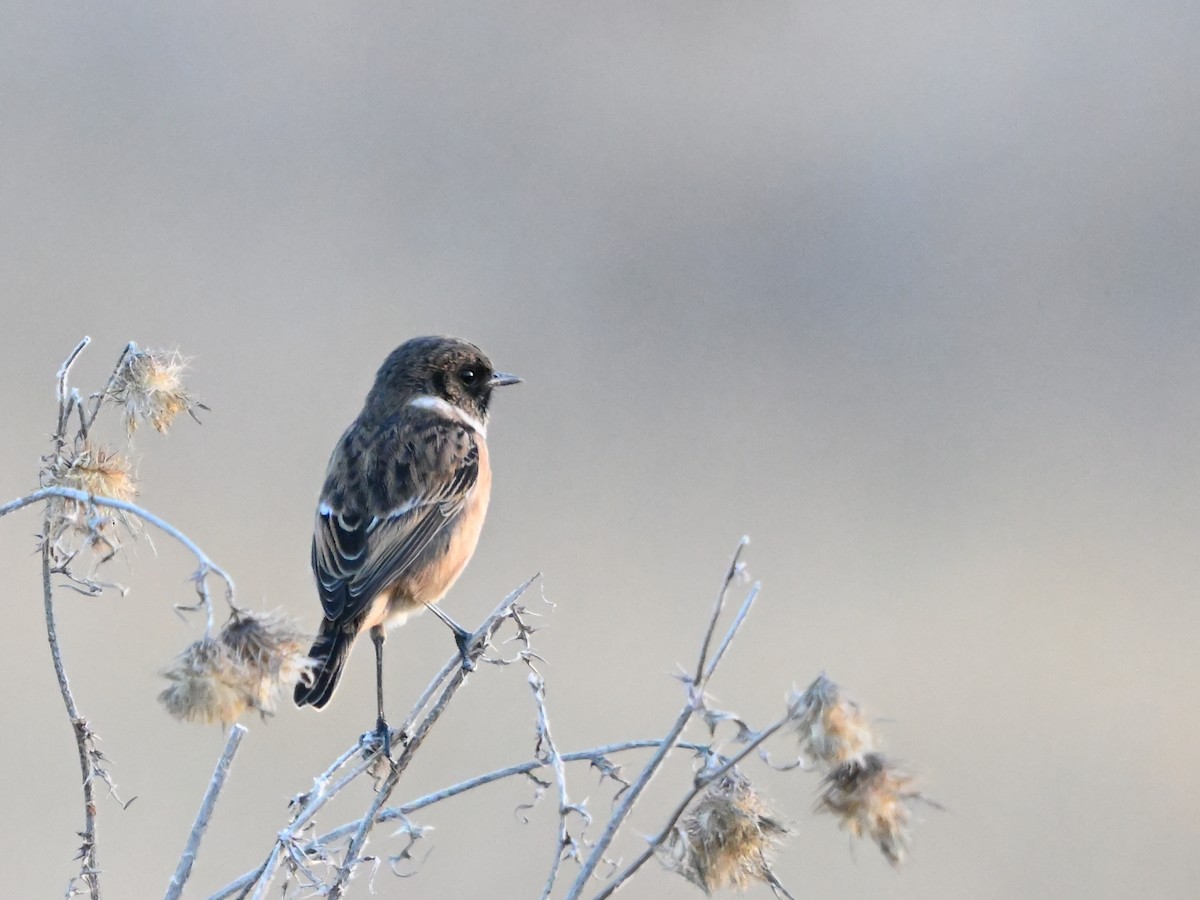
x=831, y=729
x=271, y=650
x=871, y=798
x=207, y=685
x=726, y=839
x=94, y=470
x=149, y=384
x=250, y=663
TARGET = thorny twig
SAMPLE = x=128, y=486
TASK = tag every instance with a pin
x=694, y=702
x=597, y=756
x=478, y=643
x=89, y=754
x=184, y=869
x=449, y=680
x=84, y=737
x=546, y=750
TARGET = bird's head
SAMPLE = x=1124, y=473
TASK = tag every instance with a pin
x=441, y=368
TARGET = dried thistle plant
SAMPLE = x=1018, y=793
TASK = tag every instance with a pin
x=255, y=658
x=207, y=685
x=92, y=469
x=272, y=652
x=149, y=385
x=832, y=730
x=727, y=838
x=872, y=798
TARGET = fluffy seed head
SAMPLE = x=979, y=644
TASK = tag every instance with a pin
x=871, y=798
x=247, y=666
x=271, y=651
x=149, y=384
x=831, y=729
x=94, y=470
x=207, y=685
x=726, y=839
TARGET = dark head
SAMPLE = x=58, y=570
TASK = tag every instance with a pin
x=446, y=368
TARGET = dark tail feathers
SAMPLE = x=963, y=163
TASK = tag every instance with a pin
x=330, y=651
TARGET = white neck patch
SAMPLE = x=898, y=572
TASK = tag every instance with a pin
x=450, y=411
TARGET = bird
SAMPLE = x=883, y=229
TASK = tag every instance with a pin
x=404, y=498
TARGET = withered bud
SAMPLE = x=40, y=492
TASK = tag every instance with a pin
x=149, y=384
x=871, y=798
x=251, y=662
x=832, y=730
x=726, y=839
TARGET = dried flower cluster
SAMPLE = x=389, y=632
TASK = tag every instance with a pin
x=87, y=467
x=831, y=728
x=253, y=660
x=867, y=792
x=149, y=384
x=727, y=838
x=871, y=797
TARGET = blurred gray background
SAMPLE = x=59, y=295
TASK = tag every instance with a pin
x=906, y=292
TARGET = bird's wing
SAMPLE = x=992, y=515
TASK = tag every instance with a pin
x=385, y=498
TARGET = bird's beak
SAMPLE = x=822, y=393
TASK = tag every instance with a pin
x=499, y=379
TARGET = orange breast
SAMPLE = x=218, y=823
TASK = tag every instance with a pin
x=434, y=579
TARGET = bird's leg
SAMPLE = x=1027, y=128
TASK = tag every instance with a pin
x=462, y=638
x=381, y=726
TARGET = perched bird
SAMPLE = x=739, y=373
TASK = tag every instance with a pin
x=405, y=495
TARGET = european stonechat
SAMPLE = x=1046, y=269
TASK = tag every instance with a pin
x=405, y=495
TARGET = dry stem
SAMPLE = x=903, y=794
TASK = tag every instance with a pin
x=184, y=869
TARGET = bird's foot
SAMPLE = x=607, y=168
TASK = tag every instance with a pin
x=462, y=638
x=382, y=735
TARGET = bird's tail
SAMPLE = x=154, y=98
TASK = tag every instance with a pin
x=330, y=651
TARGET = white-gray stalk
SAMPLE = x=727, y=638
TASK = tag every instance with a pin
x=184, y=870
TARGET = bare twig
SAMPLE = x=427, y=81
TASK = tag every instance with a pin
x=88, y=870
x=694, y=701
x=733, y=629
x=66, y=400
x=86, y=422
x=184, y=869
x=735, y=567
x=546, y=750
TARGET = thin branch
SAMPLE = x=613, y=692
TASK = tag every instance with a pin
x=206, y=565
x=694, y=701
x=595, y=755
x=701, y=781
x=549, y=752
x=735, y=566
x=733, y=629
x=66, y=401
x=88, y=870
x=98, y=397
x=184, y=869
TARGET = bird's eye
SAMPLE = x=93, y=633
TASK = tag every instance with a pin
x=468, y=375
